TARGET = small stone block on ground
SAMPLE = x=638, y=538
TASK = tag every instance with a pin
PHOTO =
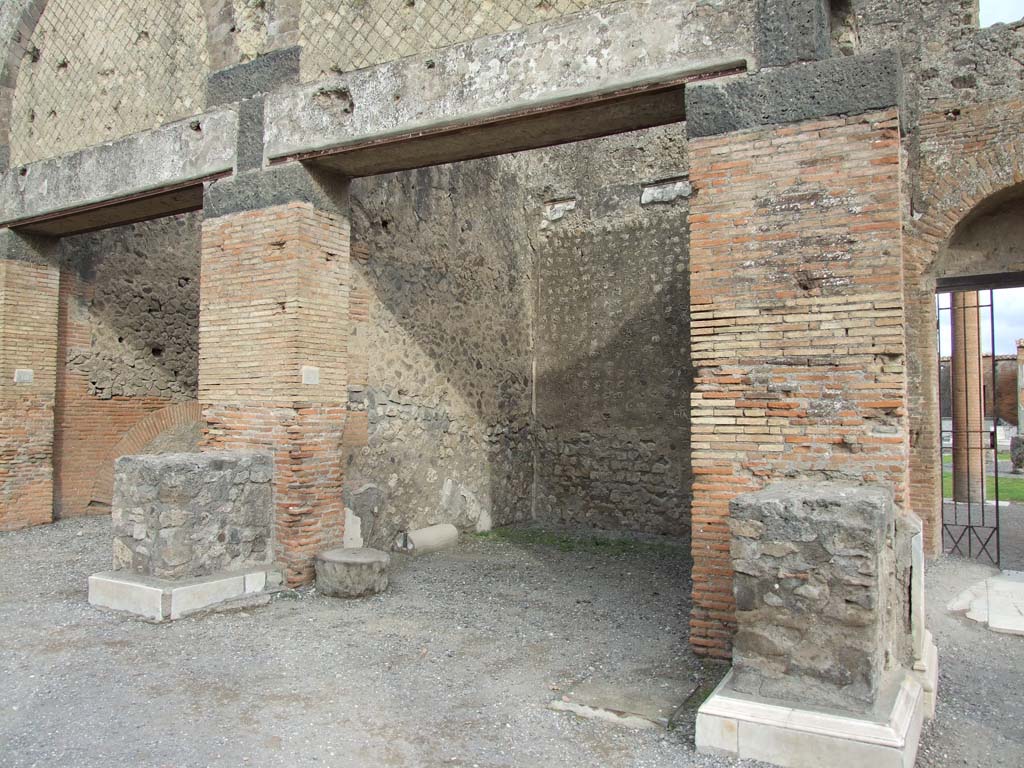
x=352, y=573
x=997, y=602
x=636, y=698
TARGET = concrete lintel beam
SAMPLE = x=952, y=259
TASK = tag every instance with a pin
x=146, y=166
x=542, y=64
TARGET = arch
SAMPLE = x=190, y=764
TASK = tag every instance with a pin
x=989, y=240
x=969, y=159
x=967, y=182
x=137, y=438
x=18, y=23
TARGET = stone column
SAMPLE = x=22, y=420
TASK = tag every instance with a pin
x=1017, y=442
x=968, y=402
x=29, y=283
x=1020, y=387
x=273, y=330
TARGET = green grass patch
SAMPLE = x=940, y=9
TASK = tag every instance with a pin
x=565, y=542
x=1010, y=488
x=947, y=458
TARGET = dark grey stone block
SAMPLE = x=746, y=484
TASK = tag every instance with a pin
x=811, y=563
x=249, y=152
x=846, y=86
x=261, y=75
x=193, y=514
x=279, y=185
x=792, y=30
x=15, y=246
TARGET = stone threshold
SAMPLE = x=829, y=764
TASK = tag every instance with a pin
x=741, y=726
x=160, y=600
x=996, y=602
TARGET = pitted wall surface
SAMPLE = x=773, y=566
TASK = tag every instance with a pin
x=96, y=70
x=612, y=338
x=466, y=280
x=445, y=392
x=340, y=37
x=142, y=304
x=128, y=324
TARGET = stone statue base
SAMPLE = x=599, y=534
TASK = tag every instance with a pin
x=741, y=726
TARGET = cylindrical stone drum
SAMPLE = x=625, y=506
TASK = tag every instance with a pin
x=352, y=572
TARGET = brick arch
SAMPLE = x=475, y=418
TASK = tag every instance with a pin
x=974, y=179
x=137, y=438
x=968, y=156
x=24, y=20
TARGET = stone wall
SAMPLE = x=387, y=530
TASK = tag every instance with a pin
x=818, y=606
x=513, y=357
x=139, y=290
x=441, y=351
x=128, y=330
x=608, y=226
x=188, y=515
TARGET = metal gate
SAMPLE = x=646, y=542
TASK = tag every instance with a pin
x=968, y=431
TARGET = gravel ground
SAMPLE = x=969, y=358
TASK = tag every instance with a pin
x=1011, y=538
x=453, y=666
x=1011, y=535
x=980, y=715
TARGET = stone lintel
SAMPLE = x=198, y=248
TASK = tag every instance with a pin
x=173, y=157
x=628, y=43
x=852, y=85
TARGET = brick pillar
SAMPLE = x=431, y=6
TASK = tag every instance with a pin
x=968, y=402
x=273, y=332
x=29, y=287
x=797, y=326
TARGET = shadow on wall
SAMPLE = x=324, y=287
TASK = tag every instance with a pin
x=471, y=280
x=128, y=346
x=140, y=297
x=989, y=240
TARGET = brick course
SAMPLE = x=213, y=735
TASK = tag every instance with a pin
x=28, y=340
x=275, y=298
x=87, y=428
x=797, y=326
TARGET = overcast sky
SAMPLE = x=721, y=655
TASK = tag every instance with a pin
x=995, y=11
x=1009, y=316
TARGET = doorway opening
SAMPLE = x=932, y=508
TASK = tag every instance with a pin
x=980, y=321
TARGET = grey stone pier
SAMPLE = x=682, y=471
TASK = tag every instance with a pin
x=191, y=532
x=828, y=659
